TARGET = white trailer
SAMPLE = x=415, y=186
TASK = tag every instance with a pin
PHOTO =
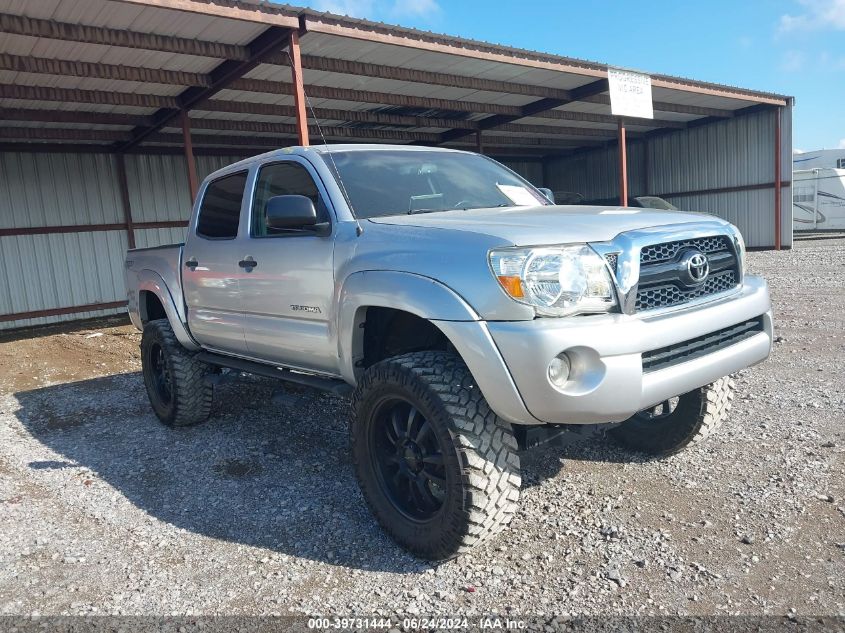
x=818, y=199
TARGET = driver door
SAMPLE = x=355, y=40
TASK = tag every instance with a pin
x=286, y=297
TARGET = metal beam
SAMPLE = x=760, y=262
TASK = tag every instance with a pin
x=592, y=117
x=73, y=95
x=288, y=132
x=665, y=106
x=37, y=314
x=531, y=109
x=529, y=141
x=413, y=75
x=333, y=114
x=56, y=134
x=284, y=132
x=262, y=47
x=528, y=128
x=61, y=67
x=270, y=127
x=64, y=31
x=69, y=116
x=367, y=96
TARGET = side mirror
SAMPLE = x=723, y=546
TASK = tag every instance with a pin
x=548, y=193
x=290, y=212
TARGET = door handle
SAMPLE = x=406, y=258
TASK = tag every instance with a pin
x=192, y=263
x=248, y=263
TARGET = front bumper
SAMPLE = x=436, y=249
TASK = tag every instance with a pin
x=608, y=383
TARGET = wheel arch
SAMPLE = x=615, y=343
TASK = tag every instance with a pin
x=154, y=300
x=441, y=308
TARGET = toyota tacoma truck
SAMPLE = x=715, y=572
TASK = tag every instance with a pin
x=459, y=307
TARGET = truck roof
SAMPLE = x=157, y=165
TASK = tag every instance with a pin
x=325, y=149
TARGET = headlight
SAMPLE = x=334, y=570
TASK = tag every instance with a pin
x=555, y=280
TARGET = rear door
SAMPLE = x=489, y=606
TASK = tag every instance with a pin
x=287, y=295
x=210, y=268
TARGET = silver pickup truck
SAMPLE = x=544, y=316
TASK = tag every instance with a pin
x=461, y=309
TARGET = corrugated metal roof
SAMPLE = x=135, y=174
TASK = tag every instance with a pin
x=451, y=71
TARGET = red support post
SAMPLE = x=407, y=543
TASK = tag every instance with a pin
x=298, y=89
x=777, y=181
x=193, y=183
x=623, y=165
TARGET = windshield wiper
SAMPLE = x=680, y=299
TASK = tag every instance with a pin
x=487, y=206
x=415, y=211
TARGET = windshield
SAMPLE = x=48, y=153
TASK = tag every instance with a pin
x=394, y=182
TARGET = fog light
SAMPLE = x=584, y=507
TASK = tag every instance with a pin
x=559, y=370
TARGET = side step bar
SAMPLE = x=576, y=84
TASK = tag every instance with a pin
x=332, y=385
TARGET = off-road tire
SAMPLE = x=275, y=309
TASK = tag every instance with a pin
x=479, y=453
x=191, y=394
x=697, y=416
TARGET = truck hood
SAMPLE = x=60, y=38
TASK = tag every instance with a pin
x=529, y=226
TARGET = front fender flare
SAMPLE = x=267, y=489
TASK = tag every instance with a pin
x=151, y=281
x=431, y=300
x=422, y=296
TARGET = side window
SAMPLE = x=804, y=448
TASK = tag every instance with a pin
x=283, y=179
x=220, y=210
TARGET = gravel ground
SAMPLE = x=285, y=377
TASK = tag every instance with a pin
x=104, y=511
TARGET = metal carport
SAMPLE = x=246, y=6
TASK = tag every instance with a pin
x=111, y=111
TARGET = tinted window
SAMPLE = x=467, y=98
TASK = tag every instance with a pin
x=221, y=207
x=391, y=182
x=283, y=179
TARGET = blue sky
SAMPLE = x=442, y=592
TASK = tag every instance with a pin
x=794, y=47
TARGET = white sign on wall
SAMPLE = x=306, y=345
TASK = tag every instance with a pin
x=630, y=94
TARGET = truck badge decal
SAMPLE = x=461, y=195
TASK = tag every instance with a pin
x=311, y=309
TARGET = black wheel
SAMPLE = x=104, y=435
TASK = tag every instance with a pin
x=175, y=382
x=678, y=422
x=437, y=467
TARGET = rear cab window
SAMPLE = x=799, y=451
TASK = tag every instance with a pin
x=220, y=211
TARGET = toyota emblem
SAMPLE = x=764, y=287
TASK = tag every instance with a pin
x=698, y=267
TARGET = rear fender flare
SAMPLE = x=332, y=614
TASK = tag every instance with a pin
x=151, y=281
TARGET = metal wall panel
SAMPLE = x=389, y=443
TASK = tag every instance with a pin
x=595, y=174
x=729, y=153
x=146, y=238
x=531, y=170
x=41, y=272
x=55, y=189
x=734, y=206
x=158, y=187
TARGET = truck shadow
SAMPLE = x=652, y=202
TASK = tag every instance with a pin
x=255, y=473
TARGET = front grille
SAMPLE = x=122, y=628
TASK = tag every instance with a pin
x=671, y=295
x=700, y=346
x=661, y=282
x=612, y=260
x=664, y=252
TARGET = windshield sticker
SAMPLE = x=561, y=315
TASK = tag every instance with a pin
x=520, y=196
